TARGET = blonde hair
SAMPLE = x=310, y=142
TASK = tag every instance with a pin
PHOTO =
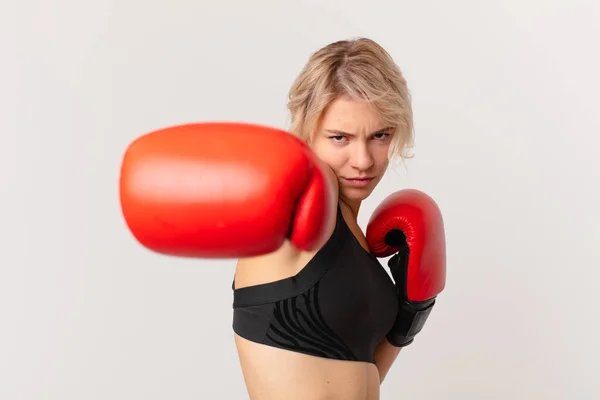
x=359, y=68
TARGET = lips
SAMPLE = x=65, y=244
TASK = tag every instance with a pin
x=358, y=182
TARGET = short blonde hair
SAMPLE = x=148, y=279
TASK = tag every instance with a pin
x=359, y=68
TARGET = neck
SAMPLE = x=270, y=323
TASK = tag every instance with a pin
x=352, y=207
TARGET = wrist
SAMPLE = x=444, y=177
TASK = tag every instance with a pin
x=410, y=320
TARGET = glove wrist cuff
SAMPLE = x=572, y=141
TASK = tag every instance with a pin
x=410, y=320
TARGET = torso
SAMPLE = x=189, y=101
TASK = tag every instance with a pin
x=274, y=374
x=345, y=372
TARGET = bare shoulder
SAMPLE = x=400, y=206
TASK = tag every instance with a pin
x=288, y=260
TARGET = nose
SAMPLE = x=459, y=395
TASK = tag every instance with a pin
x=361, y=158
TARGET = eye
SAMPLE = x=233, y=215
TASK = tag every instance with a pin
x=337, y=138
x=381, y=135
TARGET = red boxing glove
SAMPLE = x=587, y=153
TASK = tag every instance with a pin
x=224, y=190
x=409, y=223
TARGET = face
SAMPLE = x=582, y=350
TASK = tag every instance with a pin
x=354, y=141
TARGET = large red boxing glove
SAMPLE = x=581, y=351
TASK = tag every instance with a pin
x=409, y=223
x=224, y=190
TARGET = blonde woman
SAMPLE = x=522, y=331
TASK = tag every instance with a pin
x=316, y=316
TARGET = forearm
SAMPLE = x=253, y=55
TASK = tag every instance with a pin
x=385, y=355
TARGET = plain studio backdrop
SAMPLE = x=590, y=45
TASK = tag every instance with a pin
x=507, y=141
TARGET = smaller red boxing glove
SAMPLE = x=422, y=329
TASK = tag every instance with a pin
x=409, y=223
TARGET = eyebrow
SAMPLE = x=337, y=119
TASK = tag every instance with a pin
x=338, y=132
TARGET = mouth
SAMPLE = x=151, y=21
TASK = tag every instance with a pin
x=363, y=181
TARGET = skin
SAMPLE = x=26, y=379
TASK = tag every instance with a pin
x=351, y=141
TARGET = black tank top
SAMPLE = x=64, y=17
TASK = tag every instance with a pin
x=340, y=305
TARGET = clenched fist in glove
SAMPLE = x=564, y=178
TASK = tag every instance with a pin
x=409, y=224
x=224, y=190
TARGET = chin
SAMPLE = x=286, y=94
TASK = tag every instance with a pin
x=356, y=194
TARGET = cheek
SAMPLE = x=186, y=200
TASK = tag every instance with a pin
x=381, y=158
x=335, y=161
x=331, y=156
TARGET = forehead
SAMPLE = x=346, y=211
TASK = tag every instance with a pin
x=351, y=115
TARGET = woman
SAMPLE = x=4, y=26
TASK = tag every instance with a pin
x=352, y=107
x=315, y=314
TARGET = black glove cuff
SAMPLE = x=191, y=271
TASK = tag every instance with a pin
x=410, y=320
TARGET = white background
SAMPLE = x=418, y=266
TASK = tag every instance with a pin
x=506, y=98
